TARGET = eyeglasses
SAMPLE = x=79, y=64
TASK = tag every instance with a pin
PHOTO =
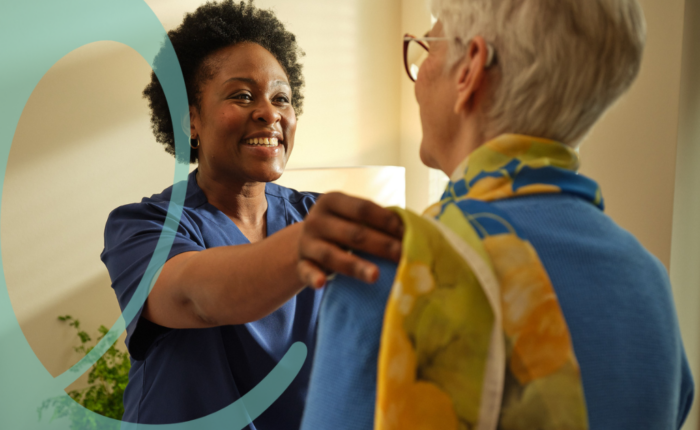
x=415, y=51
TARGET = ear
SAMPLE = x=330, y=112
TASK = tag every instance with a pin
x=194, y=121
x=470, y=74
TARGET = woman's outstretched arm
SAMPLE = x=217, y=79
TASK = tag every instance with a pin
x=228, y=284
x=243, y=283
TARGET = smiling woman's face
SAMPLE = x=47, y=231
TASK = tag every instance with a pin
x=246, y=122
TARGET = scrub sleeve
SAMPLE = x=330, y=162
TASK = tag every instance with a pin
x=182, y=374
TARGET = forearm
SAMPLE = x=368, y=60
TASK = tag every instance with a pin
x=230, y=284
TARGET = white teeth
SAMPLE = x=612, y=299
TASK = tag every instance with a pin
x=262, y=141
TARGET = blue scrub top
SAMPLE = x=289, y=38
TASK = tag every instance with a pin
x=182, y=374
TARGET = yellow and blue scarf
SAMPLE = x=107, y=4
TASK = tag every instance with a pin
x=473, y=334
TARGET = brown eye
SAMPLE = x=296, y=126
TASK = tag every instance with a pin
x=243, y=96
x=282, y=99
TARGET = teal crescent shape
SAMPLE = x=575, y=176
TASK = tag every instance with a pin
x=35, y=35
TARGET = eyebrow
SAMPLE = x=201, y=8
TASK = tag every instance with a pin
x=252, y=81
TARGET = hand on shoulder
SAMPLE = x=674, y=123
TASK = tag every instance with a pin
x=338, y=222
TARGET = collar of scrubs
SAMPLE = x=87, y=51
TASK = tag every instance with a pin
x=276, y=213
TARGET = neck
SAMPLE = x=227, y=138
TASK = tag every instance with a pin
x=469, y=136
x=243, y=202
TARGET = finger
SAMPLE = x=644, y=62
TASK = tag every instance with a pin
x=363, y=211
x=311, y=275
x=329, y=257
x=360, y=237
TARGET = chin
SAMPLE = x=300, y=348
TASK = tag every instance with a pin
x=272, y=176
x=426, y=158
x=264, y=172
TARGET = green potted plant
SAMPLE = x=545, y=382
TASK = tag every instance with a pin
x=107, y=380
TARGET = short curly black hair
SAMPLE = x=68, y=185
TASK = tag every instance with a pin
x=211, y=27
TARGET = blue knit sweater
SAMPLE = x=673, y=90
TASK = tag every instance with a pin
x=616, y=299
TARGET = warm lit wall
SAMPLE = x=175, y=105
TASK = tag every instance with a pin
x=353, y=53
x=685, y=246
x=415, y=20
x=84, y=146
x=631, y=152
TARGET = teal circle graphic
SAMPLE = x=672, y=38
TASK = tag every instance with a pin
x=35, y=35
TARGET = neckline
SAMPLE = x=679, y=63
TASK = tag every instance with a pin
x=275, y=215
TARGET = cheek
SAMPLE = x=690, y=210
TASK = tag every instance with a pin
x=228, y=122
x=290, y=129
x=234, y=119
x=419, y=87
x=425, y=83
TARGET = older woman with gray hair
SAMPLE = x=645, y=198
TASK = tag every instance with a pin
x=507, y=91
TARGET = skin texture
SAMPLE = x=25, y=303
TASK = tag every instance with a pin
x=210, y=28
x=248, y=96
x=338, y=222
x=451, y=103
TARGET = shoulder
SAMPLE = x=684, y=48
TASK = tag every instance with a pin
x=557, y=219
x=616, y=297
x=150, y=214
x=576, y=241
x=603, y=276
x=301, y=201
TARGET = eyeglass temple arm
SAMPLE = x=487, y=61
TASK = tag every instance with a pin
x=490, y=50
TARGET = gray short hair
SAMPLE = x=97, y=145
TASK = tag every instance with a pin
x=560, y=63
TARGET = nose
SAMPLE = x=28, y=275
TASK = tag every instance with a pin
x=267, y=112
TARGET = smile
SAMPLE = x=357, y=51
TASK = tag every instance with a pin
x=262, y=141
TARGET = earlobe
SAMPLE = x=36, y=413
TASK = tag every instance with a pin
x=193, y=115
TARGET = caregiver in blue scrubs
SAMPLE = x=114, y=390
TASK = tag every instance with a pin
x=228, y=303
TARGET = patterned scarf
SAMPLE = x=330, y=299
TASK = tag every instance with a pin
x=473, y=335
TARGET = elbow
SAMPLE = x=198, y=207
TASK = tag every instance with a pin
x=217, y=315
x=203, y=316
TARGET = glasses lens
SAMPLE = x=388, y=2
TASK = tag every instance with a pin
x=415, y=56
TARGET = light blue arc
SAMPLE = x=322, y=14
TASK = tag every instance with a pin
x=35, y=35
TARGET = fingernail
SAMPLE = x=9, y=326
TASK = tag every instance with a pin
x=369, y=273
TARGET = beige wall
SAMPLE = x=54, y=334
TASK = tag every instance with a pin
x=631, y=152
x=685, y=249
x=83, y=146
x=415, y=19
x=644, y=152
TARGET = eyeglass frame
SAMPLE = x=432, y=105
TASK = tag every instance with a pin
x=408, y=38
